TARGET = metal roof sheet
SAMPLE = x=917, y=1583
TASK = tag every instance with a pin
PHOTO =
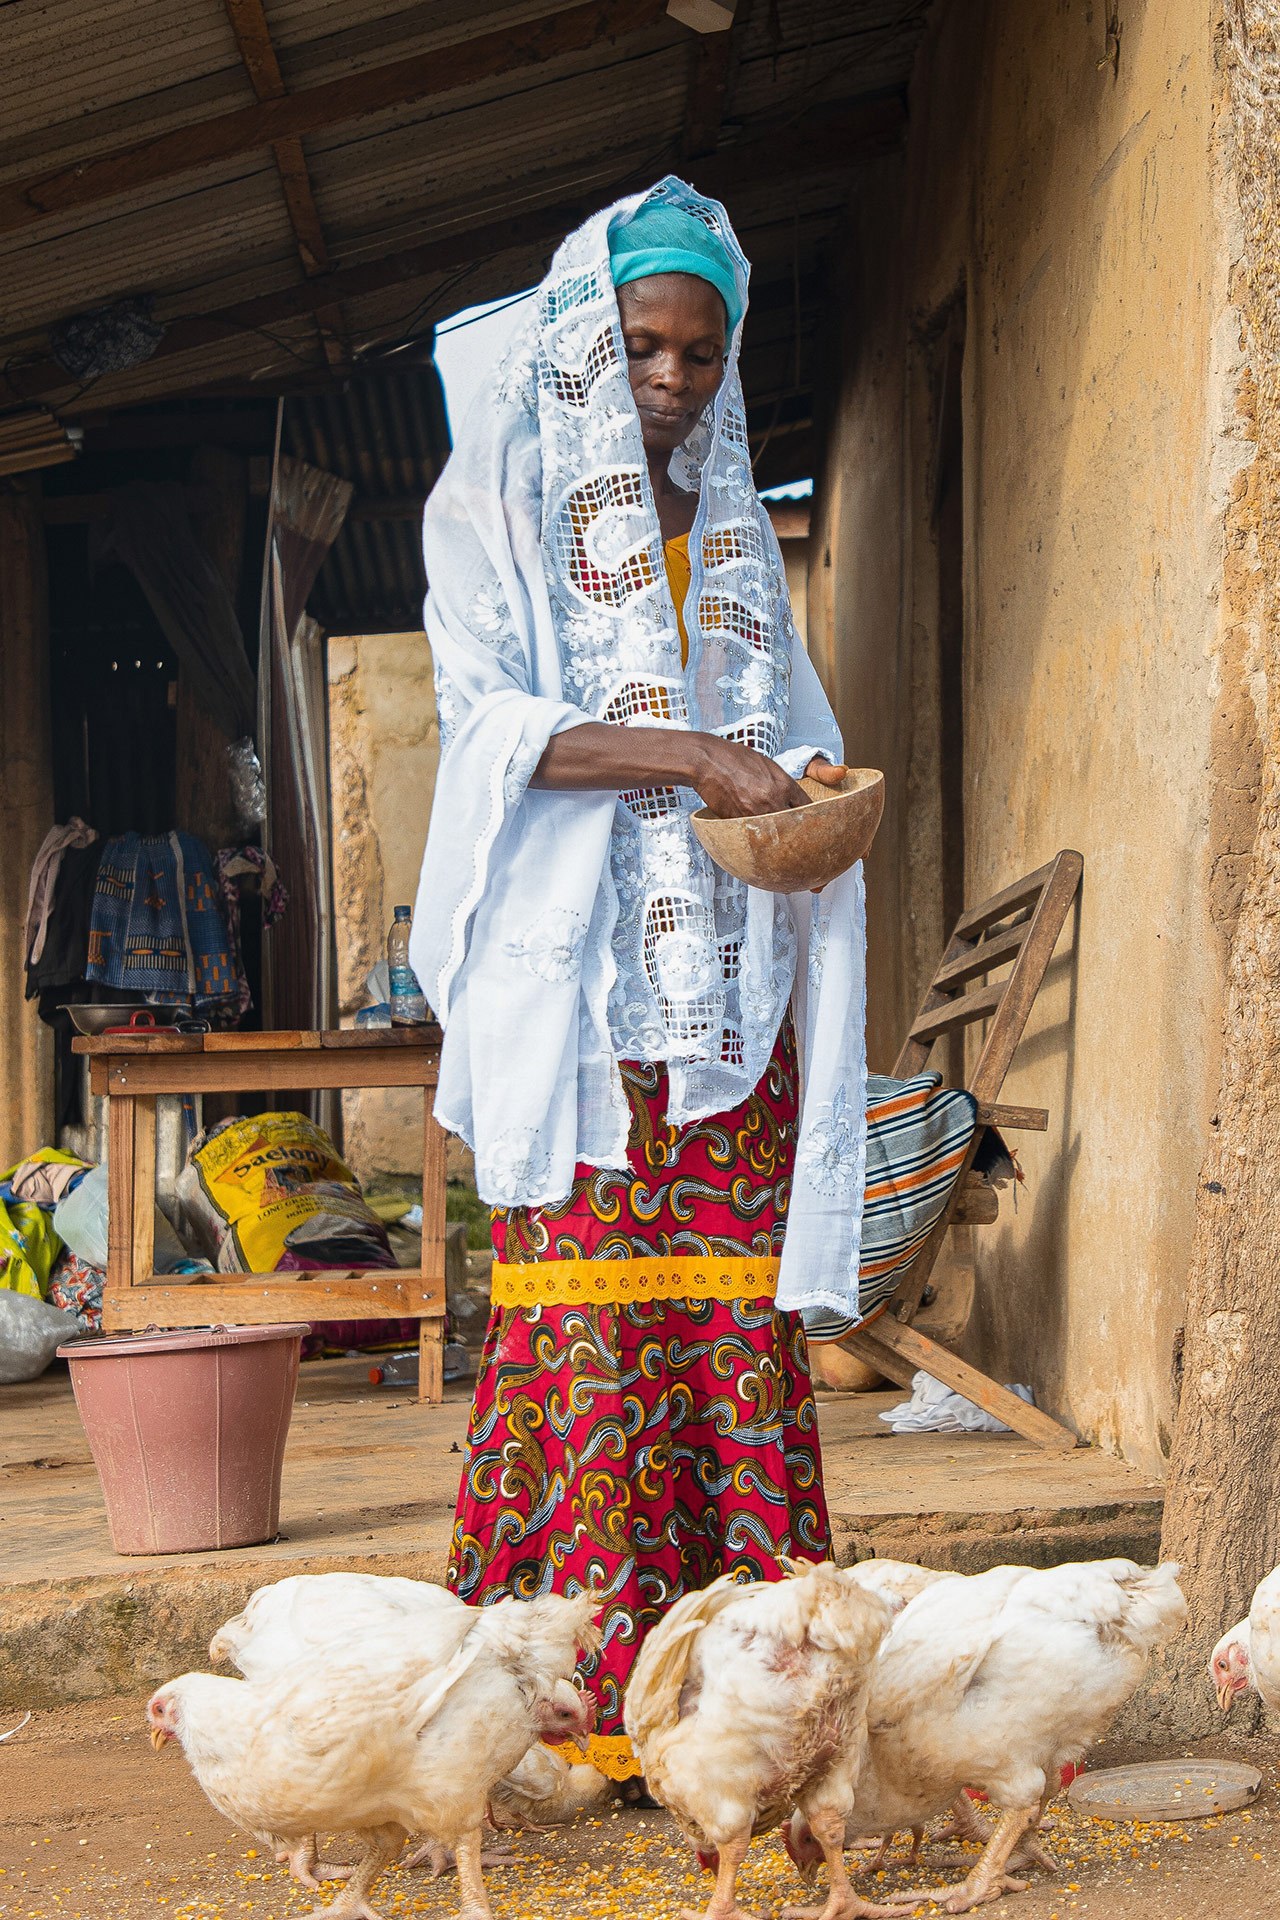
x=83, y=76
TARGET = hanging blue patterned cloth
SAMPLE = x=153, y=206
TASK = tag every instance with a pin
x=157, y=926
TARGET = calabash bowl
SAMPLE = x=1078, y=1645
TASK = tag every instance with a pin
x=802, y=847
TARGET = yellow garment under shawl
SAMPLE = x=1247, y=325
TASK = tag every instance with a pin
x=679, y=573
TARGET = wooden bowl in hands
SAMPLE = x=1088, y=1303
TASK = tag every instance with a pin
x=801, y=848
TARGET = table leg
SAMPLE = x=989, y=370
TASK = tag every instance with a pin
x=431, y=1332
x=120, y=1192
x=131, y=1187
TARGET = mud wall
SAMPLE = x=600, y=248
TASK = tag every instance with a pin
x=1063, y=210
x=384, y=750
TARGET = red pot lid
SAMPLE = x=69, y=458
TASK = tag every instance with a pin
x=109, y=1346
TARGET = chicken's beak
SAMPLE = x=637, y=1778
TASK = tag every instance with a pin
x=217, y=1648
x=1226, y=1696
x=582, y=1741
x=158, y=1737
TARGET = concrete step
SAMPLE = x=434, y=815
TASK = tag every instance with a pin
x=370, y=1480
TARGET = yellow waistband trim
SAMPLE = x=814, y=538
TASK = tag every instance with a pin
x=611, y=1752
x=571, y=1283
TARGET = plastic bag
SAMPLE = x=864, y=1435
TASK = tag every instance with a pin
x=31, y=1332
x=273, y=1193
x=29, y=1246
x=248, y=788
x=81, y=1220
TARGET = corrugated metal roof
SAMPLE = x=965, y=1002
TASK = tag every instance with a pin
x=81, y=77
x=388, y=435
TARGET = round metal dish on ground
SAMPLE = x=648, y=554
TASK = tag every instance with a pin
x=1165, y=1790
x=802, y=847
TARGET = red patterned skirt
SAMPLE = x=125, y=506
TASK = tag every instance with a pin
x=643, y=1419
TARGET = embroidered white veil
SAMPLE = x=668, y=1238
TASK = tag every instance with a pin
x=557, y=933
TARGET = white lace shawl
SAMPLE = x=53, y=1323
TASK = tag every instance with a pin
x=557, y=933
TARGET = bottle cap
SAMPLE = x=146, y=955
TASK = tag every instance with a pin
x=404, y=913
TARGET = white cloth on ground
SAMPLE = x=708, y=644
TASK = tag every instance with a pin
x=935, y=1408
x=557, y=933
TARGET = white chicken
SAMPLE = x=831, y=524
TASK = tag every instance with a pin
x=400, y=1734
x=310, y=1614
x=545, y=1790
x=1248, y=1654
x=996, y=1682
x=748, y=1699
x=896, y=1581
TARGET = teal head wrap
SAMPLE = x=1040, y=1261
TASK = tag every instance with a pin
x=666, y=239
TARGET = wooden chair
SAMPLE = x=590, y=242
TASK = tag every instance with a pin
x=1020, y=926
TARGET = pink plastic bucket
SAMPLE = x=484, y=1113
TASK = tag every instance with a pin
x=187, y=1432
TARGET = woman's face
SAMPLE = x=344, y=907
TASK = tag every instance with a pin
x=673, y=327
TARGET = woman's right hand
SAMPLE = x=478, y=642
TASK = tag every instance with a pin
x=734, y=781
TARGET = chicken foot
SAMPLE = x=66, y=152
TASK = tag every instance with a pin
x=882, y=1852
x=988, y=1878
x=723, y=1904
x=381, y=1845
x=827, y=1828
x=302, y=1859
x=440, y=1859
x=966, y=1823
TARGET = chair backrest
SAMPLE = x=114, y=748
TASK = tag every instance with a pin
x=1017, y=928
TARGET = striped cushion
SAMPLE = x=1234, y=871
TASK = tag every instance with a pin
x=917, y=1135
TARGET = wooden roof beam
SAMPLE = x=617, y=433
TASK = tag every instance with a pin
x=228, y=136
x=262, y=64
x=832, y=138
x=711, y=62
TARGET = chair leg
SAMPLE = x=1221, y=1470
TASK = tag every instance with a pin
x=886, y=1338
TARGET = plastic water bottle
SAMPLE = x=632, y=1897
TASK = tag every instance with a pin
x=396, y=1369
x=408, y=1004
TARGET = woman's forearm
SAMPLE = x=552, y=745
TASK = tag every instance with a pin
x=733, y=780
x=598, y=755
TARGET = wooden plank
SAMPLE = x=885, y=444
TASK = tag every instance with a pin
x=278, y=1039
x=265, y=1072
x=982, y=958
x=1020, y=893
x=284, y=1040
x=991, y=1113
x=711, y=59
x=977, y=1205
x=120, y=1192
x=909, y=1345
x=832, y=138
x=102, y=1047
x=434, y=1180
x=224, y=1302
x=890, y=1364
x=142, y=1252
x=257, y=51
x=368, y=1039
x=1028, y=974
x=431, y=1362
x=959, y=1012
x=333, y=103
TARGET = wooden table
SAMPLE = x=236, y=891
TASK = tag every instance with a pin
x=131, y=1069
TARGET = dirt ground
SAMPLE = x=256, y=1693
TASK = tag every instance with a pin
x=95, y=1826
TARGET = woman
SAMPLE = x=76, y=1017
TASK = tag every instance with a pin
x=614, y=647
